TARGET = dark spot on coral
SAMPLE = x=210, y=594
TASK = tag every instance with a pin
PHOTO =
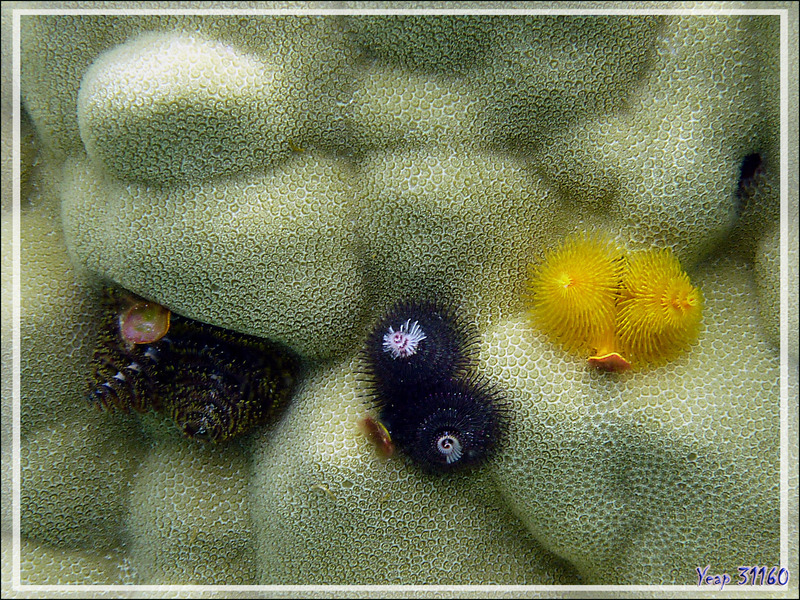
x=751, y=172
x=750, y=164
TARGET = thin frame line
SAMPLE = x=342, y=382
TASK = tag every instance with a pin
x=16, y=308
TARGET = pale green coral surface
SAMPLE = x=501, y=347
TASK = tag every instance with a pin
x=291, y=177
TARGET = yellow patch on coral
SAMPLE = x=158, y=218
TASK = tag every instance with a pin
x=574, y=292
x=659, y=311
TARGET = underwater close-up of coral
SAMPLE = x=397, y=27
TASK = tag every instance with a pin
x=399, y=299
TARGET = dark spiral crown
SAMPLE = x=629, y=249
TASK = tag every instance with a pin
x=214, y=383
x=448, y=348
x=454, y=425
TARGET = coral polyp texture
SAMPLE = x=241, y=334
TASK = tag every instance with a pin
x=287, y=178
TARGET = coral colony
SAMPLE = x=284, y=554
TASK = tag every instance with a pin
x=275, y=174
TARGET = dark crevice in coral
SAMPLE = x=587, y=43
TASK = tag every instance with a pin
x=749, y=171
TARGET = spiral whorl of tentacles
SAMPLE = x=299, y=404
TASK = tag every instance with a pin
x=214, y=383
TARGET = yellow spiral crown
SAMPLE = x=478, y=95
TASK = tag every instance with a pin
x=574, y=291
x=659, y=310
